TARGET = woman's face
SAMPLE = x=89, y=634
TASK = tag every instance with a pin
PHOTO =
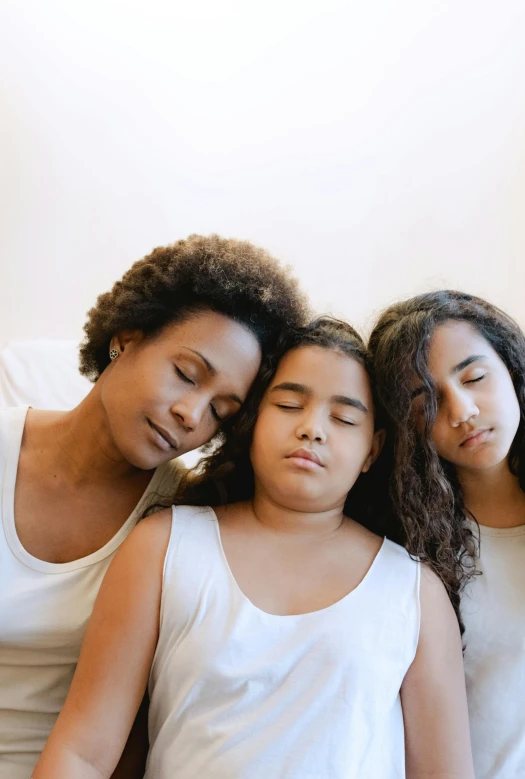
x=315, y=430
x=168, y=394
x=478, y=411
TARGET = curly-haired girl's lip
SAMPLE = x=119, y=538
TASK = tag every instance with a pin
x=476, y=437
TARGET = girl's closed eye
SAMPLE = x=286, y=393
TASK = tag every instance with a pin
x=473, y=381
x=288, y=407
x=344, y=421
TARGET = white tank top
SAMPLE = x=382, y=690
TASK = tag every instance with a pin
x=44, y=608
x=493, y=609
x=237, y=693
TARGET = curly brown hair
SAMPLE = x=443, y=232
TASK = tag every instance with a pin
x=228, y=276
x=226, y=474
x=425, y=491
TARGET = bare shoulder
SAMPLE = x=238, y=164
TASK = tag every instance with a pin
x=229, y=514
x=139, y=562
x=40, y=424
x=155, y=523
x=433, y=592
x=360, y=536
x=150, y=536
x=40, y=416
x=438, y=618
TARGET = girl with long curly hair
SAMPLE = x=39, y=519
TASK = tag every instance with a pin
x=279, y=636
x=450, y=373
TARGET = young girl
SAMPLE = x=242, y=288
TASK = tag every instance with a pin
x=173, y=349
x=450, y=370
x=280, y=637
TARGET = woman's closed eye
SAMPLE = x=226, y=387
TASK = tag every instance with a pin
x=183, y=376
x=187, y=380
x=288, y=407
x=214, y=414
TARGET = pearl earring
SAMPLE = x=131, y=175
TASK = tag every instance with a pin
x=113, y=354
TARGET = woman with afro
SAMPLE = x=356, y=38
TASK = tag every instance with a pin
x=173, y=350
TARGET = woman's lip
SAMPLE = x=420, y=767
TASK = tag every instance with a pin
x=478, y=438
x=163, y=439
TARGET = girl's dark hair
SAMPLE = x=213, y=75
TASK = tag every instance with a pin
x=425, y=492
x=229, y=277
x=226, y=474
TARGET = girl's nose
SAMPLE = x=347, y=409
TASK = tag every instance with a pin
x=461, y=408
x=311, y=429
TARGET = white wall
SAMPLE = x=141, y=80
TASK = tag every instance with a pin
x=377, y=146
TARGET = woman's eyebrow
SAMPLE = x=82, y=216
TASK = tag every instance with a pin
x=209, y=367
x=213, y=372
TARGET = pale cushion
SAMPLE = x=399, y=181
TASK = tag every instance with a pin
x=42, y=373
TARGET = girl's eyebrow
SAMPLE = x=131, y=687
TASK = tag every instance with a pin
x=468, y=361
x=354, y=402
x=291, y=386
x=302, y=389
x=456, y=369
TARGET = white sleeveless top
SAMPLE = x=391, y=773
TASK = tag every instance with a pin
x=44, y=608
x=237, y=693
x=493, y=609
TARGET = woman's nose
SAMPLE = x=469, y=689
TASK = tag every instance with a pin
x=190, y=410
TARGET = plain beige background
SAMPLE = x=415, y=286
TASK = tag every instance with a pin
x=378, y=147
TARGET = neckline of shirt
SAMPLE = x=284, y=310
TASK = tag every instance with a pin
x=308, y=614
x=497, y=532
x=16, y=428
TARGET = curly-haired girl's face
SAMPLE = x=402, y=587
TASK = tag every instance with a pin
x=314, y=433
x=168, y=394
x=478, y=411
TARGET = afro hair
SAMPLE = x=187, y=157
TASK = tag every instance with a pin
x=230, y=277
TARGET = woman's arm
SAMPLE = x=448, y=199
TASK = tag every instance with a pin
x=115, y=661
x=433, y=693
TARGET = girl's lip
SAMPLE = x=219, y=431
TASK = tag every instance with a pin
x=306, y=463
x=306, y=454
x=476, y=438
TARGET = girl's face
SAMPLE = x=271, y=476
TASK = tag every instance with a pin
x=168, y=394
x=478, y=411
x=315, y=430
